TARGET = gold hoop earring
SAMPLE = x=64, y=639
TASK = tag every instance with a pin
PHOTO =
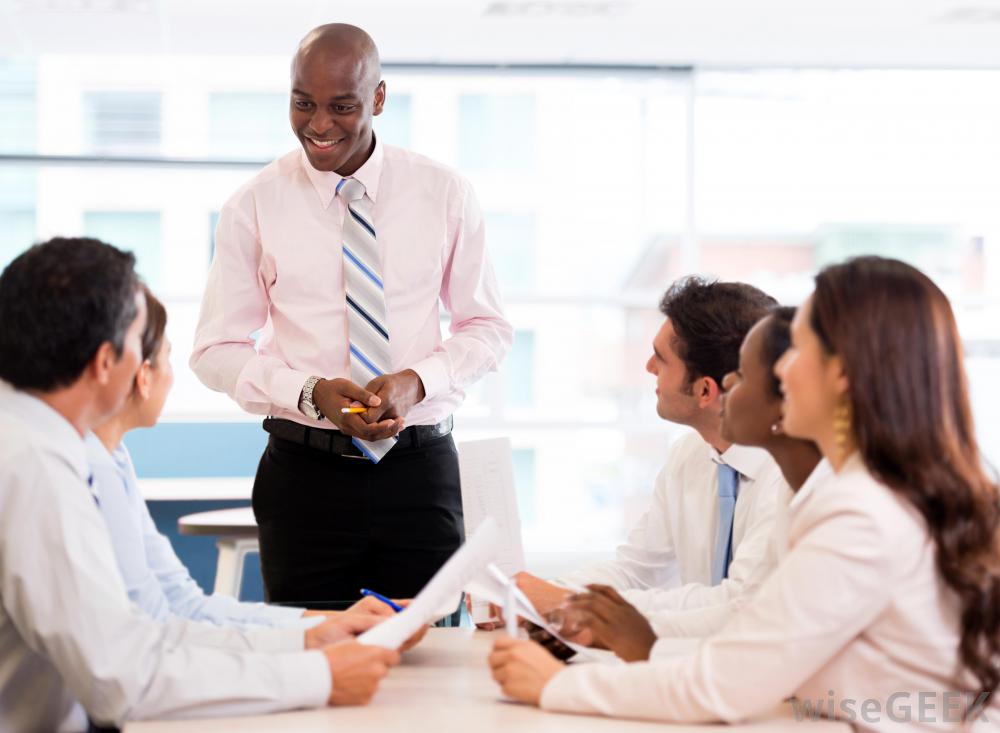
x=843, y=420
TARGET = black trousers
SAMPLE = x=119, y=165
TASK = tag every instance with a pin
x=331, y=525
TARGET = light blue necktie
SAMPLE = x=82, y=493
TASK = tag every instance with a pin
x=729, y=484
x=367, y=333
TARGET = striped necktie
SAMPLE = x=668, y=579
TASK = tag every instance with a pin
x=729, y=484
x=367, y=333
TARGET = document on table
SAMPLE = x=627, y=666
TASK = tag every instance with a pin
x=486, y=468
x=493, y=586
x=442, y=593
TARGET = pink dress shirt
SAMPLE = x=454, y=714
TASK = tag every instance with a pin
x=278, y=269
x=856, y=622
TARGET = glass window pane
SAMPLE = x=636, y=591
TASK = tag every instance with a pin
x=122, y=123
x=496, y=132
x=135, y=231
x=519, y=371
x=18, y=215
x=798, y=169
x=18, y=107
x=249, y=125
x=394, y=125
x=513, y=245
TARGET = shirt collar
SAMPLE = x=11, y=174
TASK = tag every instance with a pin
x=56, y=431
x=819, y=474
x=326, y=182
x=97, y=452
x=748, y=461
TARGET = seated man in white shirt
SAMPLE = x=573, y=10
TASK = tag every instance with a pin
x=73, y=645
x=713, y=503
x=752, y=416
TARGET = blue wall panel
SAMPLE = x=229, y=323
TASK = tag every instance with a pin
x=189, y=450
x=186, y=449
x=199, y=553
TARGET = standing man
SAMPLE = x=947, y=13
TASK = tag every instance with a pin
x=340, y=254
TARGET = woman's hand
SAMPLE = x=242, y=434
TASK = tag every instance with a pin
x=522, y=668
x=603, y=619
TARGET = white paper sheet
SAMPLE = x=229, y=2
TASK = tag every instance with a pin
x=487, y=474
x=444, y=588
x=493, y=586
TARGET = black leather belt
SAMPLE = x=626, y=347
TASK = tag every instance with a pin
x=334, y=441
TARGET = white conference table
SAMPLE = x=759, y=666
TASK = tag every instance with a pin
x=237, y=533
x=444, y=685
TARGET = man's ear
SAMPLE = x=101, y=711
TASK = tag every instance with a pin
x=379, y=98
x=142, y=380
x=708, y=391
x=102, y=363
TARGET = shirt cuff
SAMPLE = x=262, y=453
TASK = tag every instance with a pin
x=566, y=692
x=433, y=372
x=281, y=616
x=307, y=678
x=286, y=388
x=292, y=639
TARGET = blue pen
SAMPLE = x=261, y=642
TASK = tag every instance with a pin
x=394, y=606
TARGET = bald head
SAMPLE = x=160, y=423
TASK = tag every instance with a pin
x=345, y=43
x=336, y=91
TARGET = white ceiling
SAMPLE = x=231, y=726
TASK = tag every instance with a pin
x=854, y=33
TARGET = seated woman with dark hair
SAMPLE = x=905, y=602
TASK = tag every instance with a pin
x=886, y=608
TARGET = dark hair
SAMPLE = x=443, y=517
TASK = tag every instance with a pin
x=711, y=319
x=59, y=301
x=776, y=340
x=156, y=325
x=912, y=422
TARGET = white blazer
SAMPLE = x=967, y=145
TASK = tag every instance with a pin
x=855, y=622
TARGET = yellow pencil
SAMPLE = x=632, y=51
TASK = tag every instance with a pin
x=352, y=410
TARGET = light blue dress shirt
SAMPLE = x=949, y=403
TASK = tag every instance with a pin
x=156, y=580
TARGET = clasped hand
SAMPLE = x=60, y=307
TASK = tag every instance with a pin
x=388, y=399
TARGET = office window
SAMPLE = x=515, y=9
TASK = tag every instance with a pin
x=496, y=132
x=519, y=372
x=135, y=231
x=18, y=195
x=524, y=481
x=17, y=233
x=512, y=240
x=395, y=125
x=798, y=169
x=122, y=123
x=249, y=125
x=18, y=107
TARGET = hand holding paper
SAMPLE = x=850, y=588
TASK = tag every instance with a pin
x=441, y=595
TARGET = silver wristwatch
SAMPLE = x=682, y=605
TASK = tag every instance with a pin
x=306, y=404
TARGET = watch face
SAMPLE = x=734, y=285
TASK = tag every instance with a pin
x=307, y=408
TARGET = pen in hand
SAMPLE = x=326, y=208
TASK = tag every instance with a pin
x=391, y=604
